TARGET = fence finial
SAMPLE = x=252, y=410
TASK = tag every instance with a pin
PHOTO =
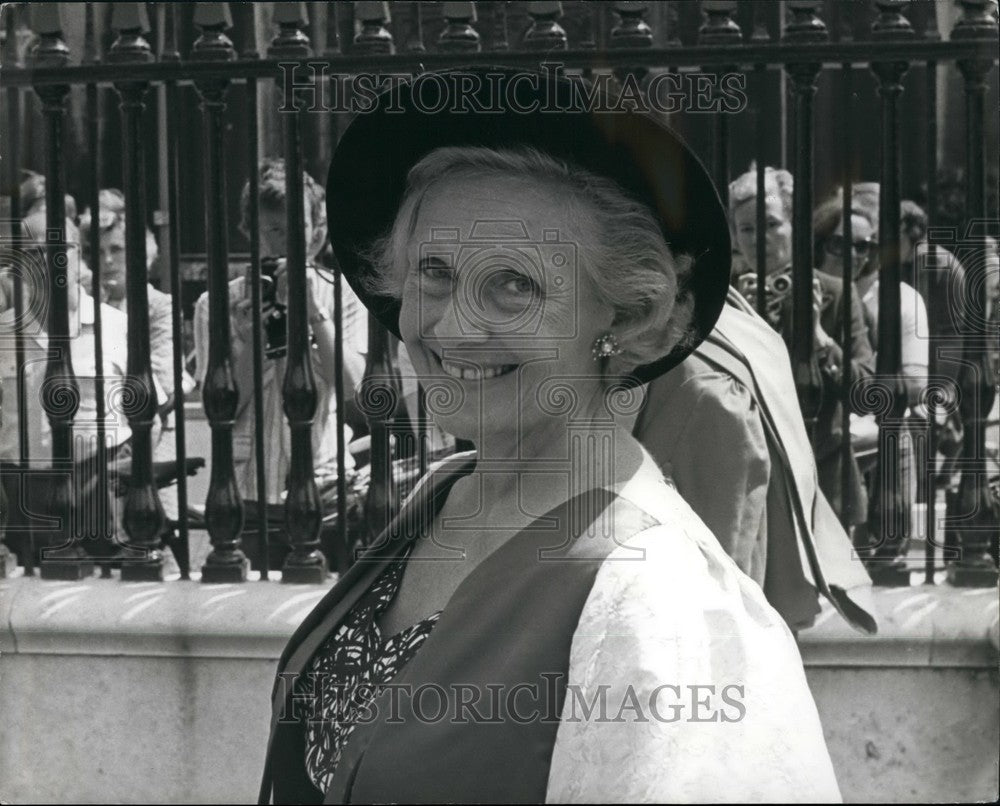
x=213, y=44
x=891, y=23
x=545, y=33
x=977, y=21
x=632, y=31
x=805, y=25
x=719, y=27
x=131, y=22
x=46, y=21
x=459, y=35
x=291, y=40
x=374, y=37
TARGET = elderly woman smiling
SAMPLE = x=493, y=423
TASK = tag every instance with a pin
x=546, y=619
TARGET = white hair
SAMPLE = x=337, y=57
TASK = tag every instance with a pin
x=621, y=247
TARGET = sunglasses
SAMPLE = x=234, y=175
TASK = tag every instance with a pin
x=835, y=246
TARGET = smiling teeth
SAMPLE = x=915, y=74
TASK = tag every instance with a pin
x=475, y=373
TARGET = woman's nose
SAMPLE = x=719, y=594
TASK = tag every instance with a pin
x=455, y=322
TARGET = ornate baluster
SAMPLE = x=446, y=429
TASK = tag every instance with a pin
x=378, y=398
x=291, y=40
x=975, y=567
x=632, y=31
x=303, y=513
x=458, y=35
x=545, y=33
x=223, y=507
x=720, y=29
x=805, y=26
x=374, y=37
x=91, y=56
x=847, y=469
x=145, y=521
x=928, y=472
x=8, y=560
x=60, y=393
x=888, y=521
x=181, y=545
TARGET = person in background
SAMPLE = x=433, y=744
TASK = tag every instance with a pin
x=82, y=352
x=913, y=330
x=320, y=305
x=111, y=222
x=37, y=492
x=935, y=270
x=865, y=264
x=830, y=315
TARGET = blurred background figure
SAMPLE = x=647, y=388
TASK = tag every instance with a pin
x=111, y=222
x=30, y=488
x=935, y=271
x=82, y=351
x=320, y=303
x=829, y=232
x=830, y=315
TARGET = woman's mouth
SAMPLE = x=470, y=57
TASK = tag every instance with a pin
x=468, y=372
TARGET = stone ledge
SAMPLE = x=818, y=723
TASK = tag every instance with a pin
x=169, y=619
x=926, y=625
x=935, y=626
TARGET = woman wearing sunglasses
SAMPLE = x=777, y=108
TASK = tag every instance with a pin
x=864, y=242
x=829, y=316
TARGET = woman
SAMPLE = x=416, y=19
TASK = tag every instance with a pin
x=829, y=317
x=865, y=267
x=550, y=585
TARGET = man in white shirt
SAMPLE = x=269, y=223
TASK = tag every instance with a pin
x=84, y=362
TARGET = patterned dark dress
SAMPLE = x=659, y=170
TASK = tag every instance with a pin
x=350, y=667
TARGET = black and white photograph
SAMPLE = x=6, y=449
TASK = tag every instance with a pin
x=500, y=402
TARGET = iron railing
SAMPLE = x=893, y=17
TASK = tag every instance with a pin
x=769, y=46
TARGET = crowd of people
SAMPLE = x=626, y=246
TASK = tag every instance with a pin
x=930, y=267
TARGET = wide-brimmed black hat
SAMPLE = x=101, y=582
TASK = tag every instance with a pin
x=502, y=107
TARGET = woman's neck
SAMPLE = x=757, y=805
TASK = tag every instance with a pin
x=554, y=461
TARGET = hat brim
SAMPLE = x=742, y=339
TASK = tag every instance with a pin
x=368, y=172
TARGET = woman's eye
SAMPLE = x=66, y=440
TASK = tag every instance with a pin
x=514, y=283
x=434, y=272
